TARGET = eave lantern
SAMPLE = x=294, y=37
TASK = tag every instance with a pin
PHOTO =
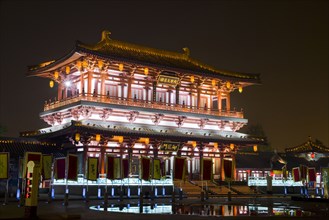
x=84, y=63
x=228, y=84
x=255, y=148
x=192, y=79
x=121, y=66
x=213, y=82
x=79, y=65
x=98, y=137
x=100, y=64
x=146, y=71
x=240, y=89
x=119, y=139
x=67, y=69
x=56, y=74
x=145, y=140
x=232, y=146
x=77, y=137
x=51, y=83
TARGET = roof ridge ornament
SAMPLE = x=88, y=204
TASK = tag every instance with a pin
x=106, y=35
x=186, y=51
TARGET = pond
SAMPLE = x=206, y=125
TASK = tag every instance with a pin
x=278, y=209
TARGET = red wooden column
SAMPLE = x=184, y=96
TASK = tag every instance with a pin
x=156, y=148
x=130, y=145
x=85, y=154
x=82, y=84
x=177, y=95
x=129, y=87
x=228, y=102
x=221, y=170
x=200, y=147
x=219, y=98
x=90, y=77
x=59, y=91
x=102, y=162
x=234, y=165
x=103, y=77
x=198, y=96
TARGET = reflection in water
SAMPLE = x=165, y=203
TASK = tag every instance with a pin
x=208, y=209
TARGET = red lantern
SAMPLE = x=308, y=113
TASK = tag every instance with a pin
x=312, y=155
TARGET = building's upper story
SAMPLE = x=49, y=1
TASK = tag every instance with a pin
x=122, y=79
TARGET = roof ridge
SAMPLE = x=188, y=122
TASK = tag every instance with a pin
x=107, y=41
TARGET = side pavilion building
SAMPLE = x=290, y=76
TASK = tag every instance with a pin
x=127, y=100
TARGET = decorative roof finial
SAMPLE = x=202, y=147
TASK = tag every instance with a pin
x=106, y=35
x=186, y=51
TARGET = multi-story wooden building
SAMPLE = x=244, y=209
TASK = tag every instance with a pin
x=120, y=98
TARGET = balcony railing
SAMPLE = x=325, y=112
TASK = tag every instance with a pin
x=140, y=103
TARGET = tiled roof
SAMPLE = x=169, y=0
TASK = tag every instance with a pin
x=308, y=146
x=135, y=132
x=128, y=52
x=297, y=161
x=18, y=146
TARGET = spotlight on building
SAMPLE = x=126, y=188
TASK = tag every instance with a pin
x=67, y=83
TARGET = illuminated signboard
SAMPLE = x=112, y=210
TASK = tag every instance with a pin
x=169, y=146
x=168, y=80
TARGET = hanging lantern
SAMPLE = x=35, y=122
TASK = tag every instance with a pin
x=79, y=65
x=240, y=89
x=120, y=66
x=193, y=144
x=146, y=71
x=77, y=137
x=98, y=137
x=213, y=82
x=120, y=139
x=100, y=64
x=232, y=146
x=146, y=140
x=312, y=155
x=215, y=145
x=84, y=63
x=51, y=84
x=255, y=148
x=56, y=74
x=228, y=84
x=192, y=79
x=67, y=69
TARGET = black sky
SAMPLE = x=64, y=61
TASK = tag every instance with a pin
x=285, y=41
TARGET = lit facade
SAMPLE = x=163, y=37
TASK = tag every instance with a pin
x=128, y=100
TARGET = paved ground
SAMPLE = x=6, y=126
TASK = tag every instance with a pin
x=78, y=209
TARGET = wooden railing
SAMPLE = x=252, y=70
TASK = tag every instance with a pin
x=140, y=103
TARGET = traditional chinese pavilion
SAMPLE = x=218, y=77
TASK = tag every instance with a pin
x=128, y=100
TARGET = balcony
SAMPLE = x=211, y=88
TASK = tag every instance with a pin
x=140, y=103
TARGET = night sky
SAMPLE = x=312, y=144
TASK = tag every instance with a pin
x=285, y=41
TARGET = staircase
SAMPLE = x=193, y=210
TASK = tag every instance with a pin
x=213, y=188
x=190, y=189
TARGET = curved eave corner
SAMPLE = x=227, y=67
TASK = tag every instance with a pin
x=39, y=69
